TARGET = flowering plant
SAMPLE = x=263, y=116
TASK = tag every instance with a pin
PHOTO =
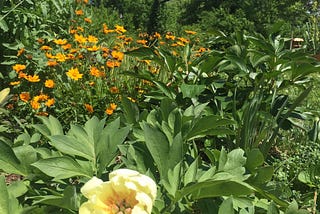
x=127, y=191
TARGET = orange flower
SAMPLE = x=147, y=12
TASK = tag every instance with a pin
x=74, y=74
x=113, y=106
x=79, y=12
x=50, y=102
x=183, y=40
x=142, y=42
x=114, y=90
x=24, y=96
x=49, y=83
x=66, y=46
x=21, y=51
x=22, y=75
x=89, y=108
x=15, y=83
x=35, y=104
x=45, y=48
x=157, y=35
x=18, y=67
x=88, y=20
x=109, y=111
x=112, y=64
x=95, y=72
x=34, y=78
x=60, y=41
x=85, y=1
x=117, y=55
x=52, y=63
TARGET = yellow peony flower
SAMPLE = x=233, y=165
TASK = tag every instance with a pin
x=127, y=191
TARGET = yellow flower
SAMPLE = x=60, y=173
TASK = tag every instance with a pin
x=74, y=74
x=190, y=32
x=92, y=39
x=24, y=96
x=120, y=29
x=15, y=83
x=50, y=102
x=117, y=55
x=60, y=41
x=18, y=67
x=49, y=83
x=127, y=191
x=93, y=48
x=61, y=57
x=35, y=104
x=34, y=78
x=79, y=38
x=109, y=111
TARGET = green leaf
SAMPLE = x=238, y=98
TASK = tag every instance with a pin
x=8, y=203
x=255, y=158
x=9, y=161
x=190, y=174
x=226, y=207
x=71, y=146
x=143, y=53
x=69, y=199
x=61, y=168
x=130, y=110
x=272, y=209
x=210, y=125
x=17, y=188
x=107, y=146
x=165, y=154
x=52, y=126
x=191, y=91
x=4, y=96
x=215, y=188
x=3, y=25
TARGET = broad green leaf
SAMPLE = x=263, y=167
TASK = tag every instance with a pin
x=107, y=146
x=191, y=173
x=61, y=168
x=130, y=110
x=226, y=207
x=191, y=91
x=215, y=188
x=165, y=154
x=52, y=126
x=171, y=183
x=27, y=154
x=143, y=53
x=234, y=162
x=8, y=160
x=8, y=203
x=254, y=159
x=18, y=188
x=3, y=25
x=264, y=174
x=71, y=146
x=272, y=208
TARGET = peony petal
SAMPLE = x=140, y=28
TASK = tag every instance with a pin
x=91, y=187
